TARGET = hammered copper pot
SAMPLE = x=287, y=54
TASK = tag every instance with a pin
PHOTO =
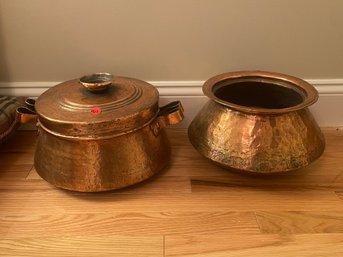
x=101, y=132
x=258, y=122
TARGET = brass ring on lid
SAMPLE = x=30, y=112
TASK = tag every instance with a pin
x=96, y=82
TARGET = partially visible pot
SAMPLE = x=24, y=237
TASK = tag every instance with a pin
x=101, y=132
x=258, y=122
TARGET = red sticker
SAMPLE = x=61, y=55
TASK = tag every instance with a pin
x=95, y=110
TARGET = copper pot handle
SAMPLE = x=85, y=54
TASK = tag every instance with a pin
x=169, y=114
x=27, y=114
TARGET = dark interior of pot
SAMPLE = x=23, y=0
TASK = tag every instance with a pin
x=259, y=95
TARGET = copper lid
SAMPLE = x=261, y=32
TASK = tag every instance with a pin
x=97, y=105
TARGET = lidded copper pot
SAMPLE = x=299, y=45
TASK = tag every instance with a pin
x=101, y=132
x=258, y=122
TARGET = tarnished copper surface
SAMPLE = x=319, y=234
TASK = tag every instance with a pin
x=120, y=145
x=72, y=110
x=105, y=163
x=277, y=135
x=100, y=165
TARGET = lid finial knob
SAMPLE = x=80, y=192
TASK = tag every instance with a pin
x=96, y=82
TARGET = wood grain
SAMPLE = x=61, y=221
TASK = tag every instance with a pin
x=14, y=171
x=309, y=245
x=60, y=201
x=127, y=223
x=155, y=185
x=339, y=194
x=83, y=246
x=294, y=222
x=17, y=158
x=191, y=208
x=304, y=181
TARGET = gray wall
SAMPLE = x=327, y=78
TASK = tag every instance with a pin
x=56, y=40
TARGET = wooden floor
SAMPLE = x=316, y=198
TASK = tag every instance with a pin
x=192, y=208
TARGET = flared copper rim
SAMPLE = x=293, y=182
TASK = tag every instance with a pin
x=308, y=92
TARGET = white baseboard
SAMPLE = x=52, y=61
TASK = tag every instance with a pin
x=328, y=111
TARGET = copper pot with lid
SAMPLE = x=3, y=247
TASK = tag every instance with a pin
x=101, y=132
x=257, y=122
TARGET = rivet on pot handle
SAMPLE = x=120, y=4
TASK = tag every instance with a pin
x=169, y=114
x=27, y=114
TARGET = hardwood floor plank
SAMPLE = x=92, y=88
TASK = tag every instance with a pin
x=20, y=142
x=195, y=245
x=298, y=182
x=158, y=184
x=83, y=246
x=294, y=222
x=309, y=245
x=16, y=158
x=45, y=202
x=14, y=171
x=339, y=194
x=199, y=166
x=22, y=184
x=4, y=228
x=155, y=185
x=126, y=223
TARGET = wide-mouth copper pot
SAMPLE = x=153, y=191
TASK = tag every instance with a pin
x=100, y=132
x=257, y=122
